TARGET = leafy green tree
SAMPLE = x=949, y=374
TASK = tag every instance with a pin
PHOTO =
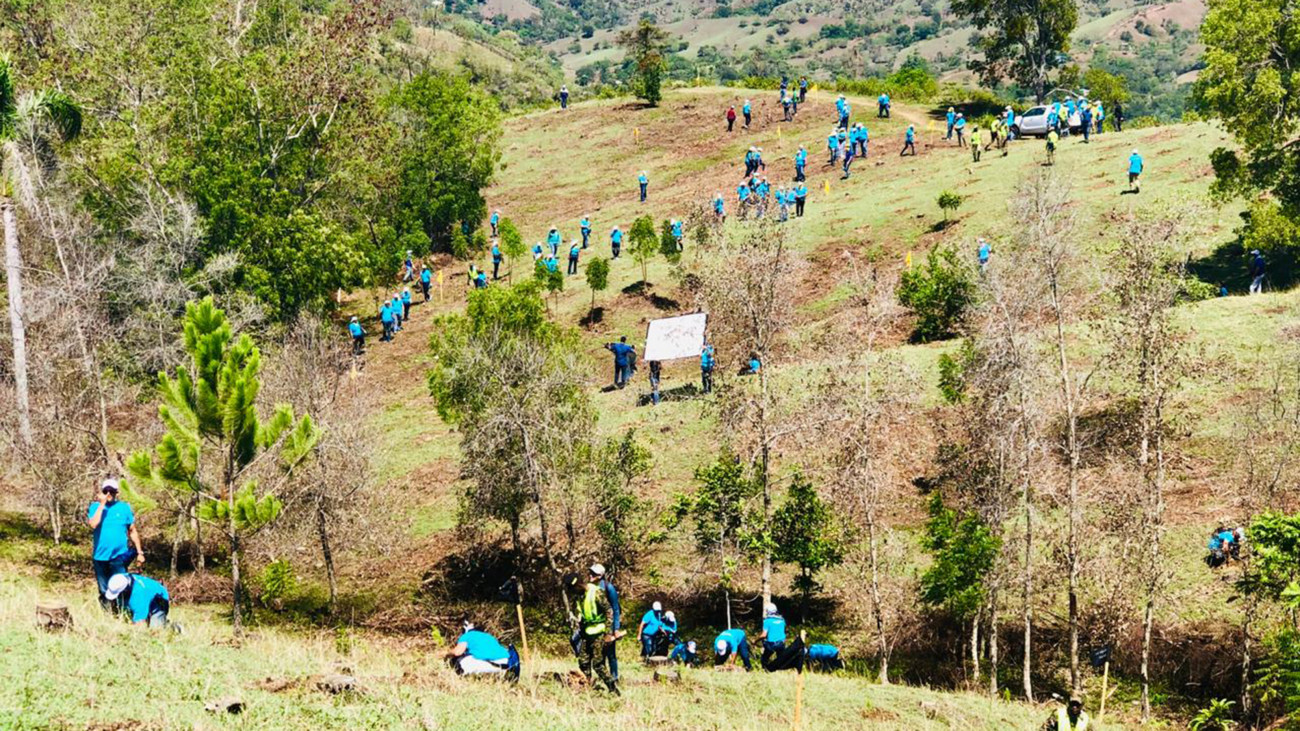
x=806, y=534
x=949, y=201
x=512, y=243
x=552, y=280
x=725, y=522
x=213, y=436
x=964, y=549
x=1106, y=87
x=448, y=141
x=668, y=243
x=626, y=523
x=939, y=293
x=1020, y=40
x=643, y=243
x=597, y=278
x=1248, y=84
x=645, y=45
x=34, y=122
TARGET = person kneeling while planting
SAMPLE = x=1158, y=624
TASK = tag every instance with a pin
x=144, y=599
x=478, y=653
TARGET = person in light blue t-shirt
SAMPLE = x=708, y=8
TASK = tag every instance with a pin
x=651, y=626
x=729, y=645
x=145, y=600
x=478, y=653
x=358, y=336
x=113, y=524
x=825, y=658
x=773, y=634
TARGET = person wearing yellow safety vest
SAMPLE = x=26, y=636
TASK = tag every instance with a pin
x=1070, y=717
x=595, y=626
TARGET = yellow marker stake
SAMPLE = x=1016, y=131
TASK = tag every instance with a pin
x=826, y=186
x=636, y=133
x=908, y=260
x=439, y=286
x=778, y=131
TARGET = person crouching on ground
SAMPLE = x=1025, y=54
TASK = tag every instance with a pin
x=145, y=600
x=478, y=653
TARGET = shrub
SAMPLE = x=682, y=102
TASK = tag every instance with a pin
x=939, y=293
x=949, y=201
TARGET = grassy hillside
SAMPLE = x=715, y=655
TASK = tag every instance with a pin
x=105, y=675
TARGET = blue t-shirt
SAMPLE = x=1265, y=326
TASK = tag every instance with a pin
x=553, y=239
x=616, y=237
x=355, y=329
x=961, y=123
x=742, y=192
x=406, y=297
x=385, y=314
x=775, y=629
x=622, y=353
x=110, y=536
x=951, y=116
x=651, y=622
x=586, y=226
x=495, y=218
x=733, y=638
x=706, y=357
x=483, y=646
x=801, y=191
x=718, y=205
x=677, y=229
x=426, y=276
x=823, y=652
x=642, y=179
x=496, y=254
x=143, y=591
x=573, y=251
x=1135, y=164
x=911, y=135
x=984, y=252
x=745, y=109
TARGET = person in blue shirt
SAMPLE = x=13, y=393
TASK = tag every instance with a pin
x=800, y=163
x=494, y=220
x=1135, y=168
x=842, y=111
x=644, y=181
x=551, y=263
x=1099, y=115
x=833, y=146
x=786, y=114
x=480, y=279
x=624, y=360
x=773, y=634
x=564, y=97
x=553, y=240
x=358, y=336
x=478, y=653
x=909, y=141
x=1257, y=271
x=984, y=252
x=426, y=278
x=706, y=368
x=408, y=267
x=1220, y=545
x=848, y=160
x=399, y=315
x=585, y=227
x=615, y=240
x=386, y=318
x=825, y=658
x=650, y=628
x=803, y=89
x=742, y=197
x=1010, y=121
x=782, y=205
x=748, y=111
x=752, y=367
x=145, y=600
x=685, y=653
x=574, y=249
x=960, y=126
x=729, y=645
x=537, y=251
x=1085, y=120
x=406, y=303
x=882, y=106
x=800, y=197
x=720, y=207
x=679, y=233
x=112, y=523
x=952, y=121
x=496, y=265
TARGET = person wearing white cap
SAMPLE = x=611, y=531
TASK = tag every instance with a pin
x=478, y=653
x=616, y=608
x=1135, y=167
x=145, y=600
x=113, y=524
x=651, y=626
x=408, y=267
x=728, y=645
x=773, y=634
x=643, y=180
x=595, y=621
x=358, y=336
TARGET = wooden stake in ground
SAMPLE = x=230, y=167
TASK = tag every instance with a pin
x=439, y=286
x=798, y=685
x=1105, y=678
x=519, y=612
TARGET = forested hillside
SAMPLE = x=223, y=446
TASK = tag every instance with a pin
x=291, y=278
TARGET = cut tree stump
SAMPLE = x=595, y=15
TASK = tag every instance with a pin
x=337, y=684
x=53, y=616
x=230, y=704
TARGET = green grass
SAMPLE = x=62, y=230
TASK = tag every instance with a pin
x=105, y=673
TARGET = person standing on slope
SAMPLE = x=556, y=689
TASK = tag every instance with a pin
x=909, y=141
x=594, y=619
x=1135, y=168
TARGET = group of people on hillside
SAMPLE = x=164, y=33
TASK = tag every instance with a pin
x=115, y=546
x=625, y=361
x=597, y=618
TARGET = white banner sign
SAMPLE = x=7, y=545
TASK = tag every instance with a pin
x=675, y=337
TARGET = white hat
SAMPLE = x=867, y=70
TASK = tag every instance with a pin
x=657, y=607
x=116, y=585
x=110, y=483
x=597, y=570
x=721, y=646
x=1135, y=150
x=770, y=608
x=670, y=616
x=691, y=645
x=354, y=318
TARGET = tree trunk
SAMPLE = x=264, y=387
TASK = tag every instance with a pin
x=236, y=582
x=1028, y=593
x=327, y=552
x=181, y=515
x=993, y=640
x=975, y=648
x=196, y=525
x=17, y=324
x=882, y=643
x=1248, y=615
x=56, y=516
x=765, y=450
x=1069, y=397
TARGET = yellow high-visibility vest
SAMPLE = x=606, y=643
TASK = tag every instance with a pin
x=593, y=622
x=1063, y=721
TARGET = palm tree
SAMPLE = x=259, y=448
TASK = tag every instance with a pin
x=28, y=127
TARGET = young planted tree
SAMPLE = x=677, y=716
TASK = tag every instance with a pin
x=940, y=293
x=807, y=535
x=552, y=280
x=949, y=201
x=645, y=45
x=644, y=244
x=29, y=124
x=668, y=243
x=1020, y=40
x=597, y=271
x=215, y=445
x=963, y=549
x=626, y=524
x=512, y=244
